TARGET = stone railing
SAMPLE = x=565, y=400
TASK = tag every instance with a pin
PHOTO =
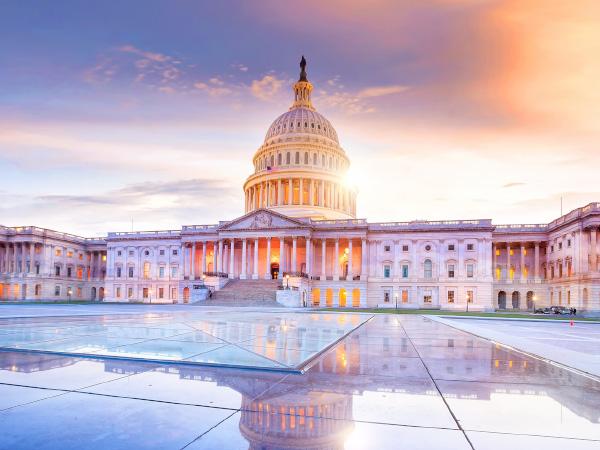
x=516, y=228
x=201, y=228
x=143, y=234
x=431, y=224
x=44, y=232
x=216, y=274
x=339, y=223
x=295, y=274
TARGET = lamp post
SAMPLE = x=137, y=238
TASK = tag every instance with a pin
x=69, y=293
x=396, y=298
x=287, y=281
x=468, y=302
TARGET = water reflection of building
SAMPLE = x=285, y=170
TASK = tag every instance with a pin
x=314, y=410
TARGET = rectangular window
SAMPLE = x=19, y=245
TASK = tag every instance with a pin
x=129, y=292
x=70, y=254
x=56, y=290
x=470, y=247
x=58, y=252
x=146, y=270
x=568, y=242
x=451, y=247
x=405, y=296
x=145, y=292
x=174, y=293
x=57, y=271
x=405, y=271
x=560, y=245
x=130, y=252
x=497, y=252
x=69, y=271
x=161, y=272
x=469, y=270
x=427, y=297
x=79, y=292
x=386, y=271
x=119, y=253
x=37, y=269
x=386, y=296
x=386, y=248
x=81, y=257
x=161, y=292
x=118, y=272
x=450, y=296
x=469, y=296
x=405, y=248
x=551, y=248
x=130, y=270
x=161, y=252
x=175, y=252
x=174, y=272
x=118, y=292
x=450, y=270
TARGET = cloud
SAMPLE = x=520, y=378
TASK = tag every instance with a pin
x=266, y=88
x=215, y=87
x=513, y=184
x=156, y=57
x=380, y=91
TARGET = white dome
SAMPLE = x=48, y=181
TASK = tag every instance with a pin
x=301, y=121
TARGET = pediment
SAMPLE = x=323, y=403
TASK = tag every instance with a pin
x=262, y=219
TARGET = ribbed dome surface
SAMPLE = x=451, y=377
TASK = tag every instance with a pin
x=301, y=121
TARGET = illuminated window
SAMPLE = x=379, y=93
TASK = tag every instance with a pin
x=427, y=297
x=450, y=296
x=469, y=296
x=103, y=258
x=81, y=257
x=146, y=270
x=512, y=252
x=58, y=252
x=69, y=254
x=386, y=296
x=511, y=273
x=405, y=296
x=145, y=292
x=118, y=292
x=497, y=252
x=129, y=292
x=79, y=292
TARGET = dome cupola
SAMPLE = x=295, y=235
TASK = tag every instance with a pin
x=300, y=168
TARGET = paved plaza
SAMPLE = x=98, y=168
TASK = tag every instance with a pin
x=394, y=381
x=574, y=344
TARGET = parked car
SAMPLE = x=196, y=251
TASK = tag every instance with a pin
x=563, y=311
x=546, y=310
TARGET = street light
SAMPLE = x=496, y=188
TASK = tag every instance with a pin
x=287, y=281
x=468, y=298
x=396, y=298
x=69, y=293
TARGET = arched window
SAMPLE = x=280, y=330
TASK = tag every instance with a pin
x=287, y=158
x=279, y=159
x=330, y=162
x=427, y=269
x=305, y=158
x=314, y=159
x=297, y=157
x=272, y=160
x=323, y=160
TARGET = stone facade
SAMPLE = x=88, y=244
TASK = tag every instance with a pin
x=300, y=221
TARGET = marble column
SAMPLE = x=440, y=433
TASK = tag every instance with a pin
x=523, y=262
x=308, y=255
x=281, y=251
x=301, y=191
x=279, y=193
x=322, y=193
x=323, y=259
x=294, y=268
x=290, y=191
x=244, y=260
x=594, y=250
x=268, y=260
x=23, y=265
x=203, y=258
x=232, y=259
x=336, y=260
x=536, y=262
x=255, y=268
x=32, y=257
x=193, y=257
x=350, y=271
x=508, y=261
x=363, y=260
x=311, y=193
x=221, y=268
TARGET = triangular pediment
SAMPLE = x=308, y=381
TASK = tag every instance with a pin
x=263, y=219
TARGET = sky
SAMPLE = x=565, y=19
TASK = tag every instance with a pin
x=146, y=114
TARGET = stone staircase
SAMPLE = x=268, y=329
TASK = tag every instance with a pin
x=246, y=293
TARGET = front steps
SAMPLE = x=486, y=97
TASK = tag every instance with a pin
x=245, y=293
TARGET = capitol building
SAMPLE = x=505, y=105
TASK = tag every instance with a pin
x=300, y=243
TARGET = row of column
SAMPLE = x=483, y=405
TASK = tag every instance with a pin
x=223, y=257
x=522, y=246
x=321, y=193
x=15, y=256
